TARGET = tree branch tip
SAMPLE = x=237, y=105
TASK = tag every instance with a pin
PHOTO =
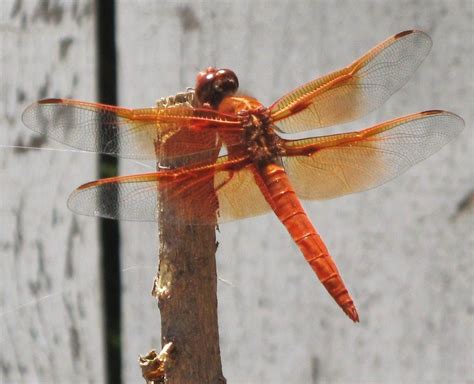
x=154, y=365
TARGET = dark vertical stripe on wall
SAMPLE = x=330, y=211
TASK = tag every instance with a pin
x=109, y=229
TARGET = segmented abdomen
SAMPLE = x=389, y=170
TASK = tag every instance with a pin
x=282, y=197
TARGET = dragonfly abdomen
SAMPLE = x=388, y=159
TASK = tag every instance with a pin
x=282, y=197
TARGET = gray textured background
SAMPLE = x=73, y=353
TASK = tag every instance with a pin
x=50, y=310
x=404, y=249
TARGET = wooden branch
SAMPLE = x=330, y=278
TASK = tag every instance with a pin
x=186, y=288
x=187, y=285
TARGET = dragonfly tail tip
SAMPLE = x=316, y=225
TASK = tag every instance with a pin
x=351, y=312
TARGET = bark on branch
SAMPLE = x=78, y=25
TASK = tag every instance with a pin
x=186, y=288
x=187, y=299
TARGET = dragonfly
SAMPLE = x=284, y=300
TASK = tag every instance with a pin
x=261, y=170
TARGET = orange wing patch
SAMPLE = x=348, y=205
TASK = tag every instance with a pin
x=234, y=194
x=331, y=166
x=353, y=91
x=128, y=133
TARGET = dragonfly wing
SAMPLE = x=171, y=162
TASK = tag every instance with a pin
x=128, y=133
x=356, y=90
x=330, y=166
x=195, y=194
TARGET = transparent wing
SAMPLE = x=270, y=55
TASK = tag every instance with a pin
x=196, y=194
x=128, y=133
x=353, y=91
x=330, y=166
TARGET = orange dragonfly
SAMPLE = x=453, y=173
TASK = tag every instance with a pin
x=261, y=170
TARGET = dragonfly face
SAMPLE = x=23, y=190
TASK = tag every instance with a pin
x=212, y=85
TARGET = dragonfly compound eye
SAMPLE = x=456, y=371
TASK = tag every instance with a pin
x=213, y=85
x=225, y=83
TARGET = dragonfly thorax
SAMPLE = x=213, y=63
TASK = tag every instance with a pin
x=263, y=144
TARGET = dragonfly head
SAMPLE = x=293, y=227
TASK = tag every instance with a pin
x=213, y=84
